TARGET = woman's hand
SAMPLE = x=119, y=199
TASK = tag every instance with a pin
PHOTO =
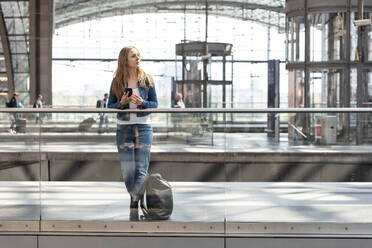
x=125, y=99
x=136, y=100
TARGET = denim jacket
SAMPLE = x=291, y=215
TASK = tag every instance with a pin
x=147, y=94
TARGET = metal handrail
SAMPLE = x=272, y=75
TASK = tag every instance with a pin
x=188, y=110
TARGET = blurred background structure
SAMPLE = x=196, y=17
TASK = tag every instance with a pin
x=85, y=37
x=67, y=51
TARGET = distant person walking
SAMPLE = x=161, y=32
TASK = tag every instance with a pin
x=39, y=104
x=179, y=101
x=13, y=117
x=13, y=101
x=103, y=117
x=178, y=118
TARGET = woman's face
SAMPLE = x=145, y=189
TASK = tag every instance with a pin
x=134, y=58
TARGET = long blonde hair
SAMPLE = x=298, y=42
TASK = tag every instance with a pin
x=122, y=73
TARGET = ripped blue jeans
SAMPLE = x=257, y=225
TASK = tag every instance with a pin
x=134, y=143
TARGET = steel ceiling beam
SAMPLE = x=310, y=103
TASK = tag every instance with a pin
x=7, y=54
x=80, y=10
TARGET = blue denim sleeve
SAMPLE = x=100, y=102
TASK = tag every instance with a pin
x=151, y=101
x=113, y=101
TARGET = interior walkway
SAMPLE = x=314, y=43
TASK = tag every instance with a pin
x=204, y=208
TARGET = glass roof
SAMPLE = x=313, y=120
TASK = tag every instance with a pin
x=268, y=12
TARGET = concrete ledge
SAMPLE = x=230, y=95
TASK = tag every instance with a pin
x=204, y=155
x=227, y=157
x=207, y=165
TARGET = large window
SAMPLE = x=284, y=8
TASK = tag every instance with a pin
x=155, y=35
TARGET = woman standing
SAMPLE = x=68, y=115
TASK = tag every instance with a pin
x=134, y=132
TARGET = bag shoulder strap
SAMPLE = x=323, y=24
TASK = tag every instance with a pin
x=142, y=195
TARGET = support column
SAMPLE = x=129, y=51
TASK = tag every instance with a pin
x=224, y=80
x=345, y=80
x=41, y=33
x=361, y=77
x=268, y=39
x=331, y=82
x=7, y=55
x=205, y=60
x=307, y=127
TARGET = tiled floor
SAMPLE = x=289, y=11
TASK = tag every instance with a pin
x=199, y=202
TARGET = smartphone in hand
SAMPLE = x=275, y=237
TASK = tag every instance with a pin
x=128, y=90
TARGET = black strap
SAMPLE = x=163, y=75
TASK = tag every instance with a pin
x=142, y=199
